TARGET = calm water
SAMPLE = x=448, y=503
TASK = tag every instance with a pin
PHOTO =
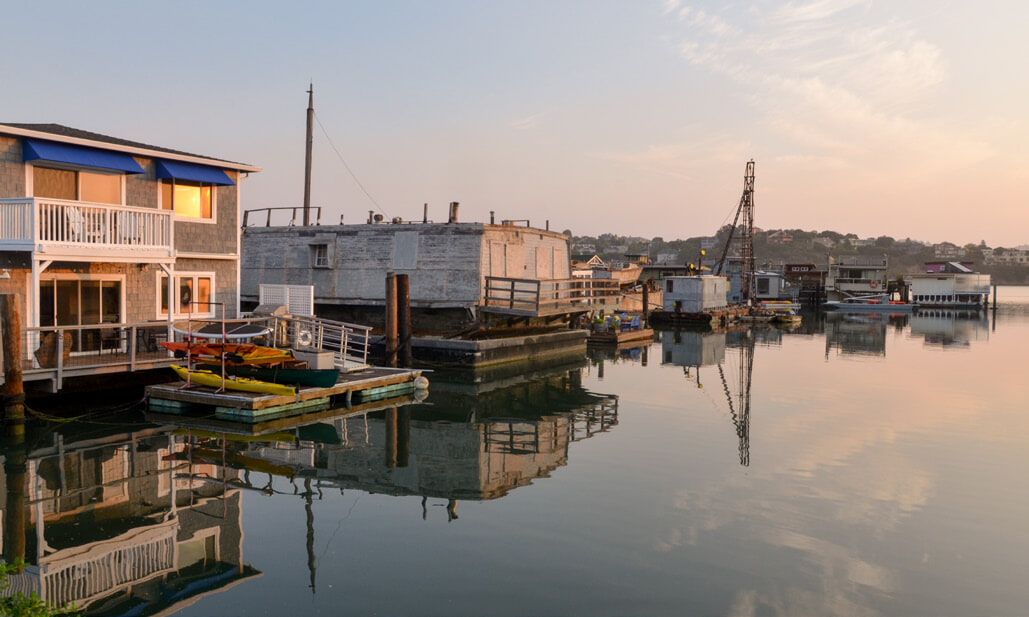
x=856, y=466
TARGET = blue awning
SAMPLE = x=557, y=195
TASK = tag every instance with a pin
x=36, y=149
x=189, y=171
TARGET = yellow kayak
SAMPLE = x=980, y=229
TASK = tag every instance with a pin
x=243, y=384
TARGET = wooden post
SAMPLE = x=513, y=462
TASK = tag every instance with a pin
x=391, y=319
x=404, y=437
x=13, y=390
x=404, y=320
x=14, y=513
x=646, y=303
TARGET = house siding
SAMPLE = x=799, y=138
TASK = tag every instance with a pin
x=12, y=170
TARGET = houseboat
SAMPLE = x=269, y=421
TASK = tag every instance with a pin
x=466, y=280
x=950, y=285
x=108, y=241
x=855, y=276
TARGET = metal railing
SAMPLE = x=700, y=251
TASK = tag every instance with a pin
x=293, y=215
x=549, y=296
x=347, y=342
x=68, y=226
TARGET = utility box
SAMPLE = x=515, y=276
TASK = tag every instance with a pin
x=694, y=294
x=318, y=360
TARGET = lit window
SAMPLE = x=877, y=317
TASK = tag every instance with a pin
x=187, y=199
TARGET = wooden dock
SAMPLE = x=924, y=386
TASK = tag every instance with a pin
x=370, y=384
x=621, y=337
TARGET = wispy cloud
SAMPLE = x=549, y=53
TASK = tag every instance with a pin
x=528, y=122
x=828, y=75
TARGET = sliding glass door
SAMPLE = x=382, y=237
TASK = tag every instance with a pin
x=81, y=302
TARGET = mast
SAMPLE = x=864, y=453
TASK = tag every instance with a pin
x=307, y=165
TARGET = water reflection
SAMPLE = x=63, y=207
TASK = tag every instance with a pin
x=692, y=350
x=857, y=334
x=145, y=520
x=120, y=522
x=950, y=328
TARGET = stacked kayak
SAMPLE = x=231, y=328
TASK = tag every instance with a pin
x=233, y=353
x=243, y=384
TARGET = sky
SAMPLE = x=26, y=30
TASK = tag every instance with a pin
x=906, y=119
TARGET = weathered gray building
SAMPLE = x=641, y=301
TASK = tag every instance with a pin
x=448, y=265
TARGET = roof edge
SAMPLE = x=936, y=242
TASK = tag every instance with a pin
x=150, y=153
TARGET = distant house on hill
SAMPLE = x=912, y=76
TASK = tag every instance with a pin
x=822, y=241
x=779, y=236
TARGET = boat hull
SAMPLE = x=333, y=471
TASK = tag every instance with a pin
x=242, y=384
x=321, y=378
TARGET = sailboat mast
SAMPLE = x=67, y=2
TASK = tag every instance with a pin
x=307, y=165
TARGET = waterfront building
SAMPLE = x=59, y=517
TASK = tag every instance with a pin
x=98, y=233
x=855, y=276
x=458, y=271
x=949, y=285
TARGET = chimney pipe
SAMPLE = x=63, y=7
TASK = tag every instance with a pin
x=453, y=212
x=425, y=214
x=491, y=217
x=370, y=213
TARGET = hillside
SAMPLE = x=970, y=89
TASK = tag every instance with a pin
x=777, y=247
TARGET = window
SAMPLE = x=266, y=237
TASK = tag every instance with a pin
x=668, y=285
x=70, y=300
x=76, y=185
x=193, y=295
x=188, y=199
x=319, y=255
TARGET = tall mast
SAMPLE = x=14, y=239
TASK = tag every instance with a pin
x=307, y=165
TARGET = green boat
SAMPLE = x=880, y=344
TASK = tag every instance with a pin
x=322, y=378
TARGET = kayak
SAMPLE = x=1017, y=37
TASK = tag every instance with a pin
x=322, y=378
x=235, y=353
x=243, y=384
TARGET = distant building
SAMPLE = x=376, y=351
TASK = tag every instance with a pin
x=779, y=236
x=823, y=241
x=948, y=251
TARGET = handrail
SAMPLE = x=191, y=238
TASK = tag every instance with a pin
x=268, y=213
x=70, y=223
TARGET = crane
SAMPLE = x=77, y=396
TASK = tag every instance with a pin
x=746, y=238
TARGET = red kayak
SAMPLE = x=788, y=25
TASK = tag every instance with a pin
x=234, y=353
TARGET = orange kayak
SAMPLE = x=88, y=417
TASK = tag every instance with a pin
x=234, y=353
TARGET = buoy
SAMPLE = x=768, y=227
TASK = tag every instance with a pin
x=421, y=383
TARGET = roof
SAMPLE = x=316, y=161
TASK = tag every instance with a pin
x=67, y=134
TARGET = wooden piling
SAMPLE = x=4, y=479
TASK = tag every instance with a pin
x=391, y=438
x=646, y=304
x=404, y=320
x=13, y=390
x=391, y=319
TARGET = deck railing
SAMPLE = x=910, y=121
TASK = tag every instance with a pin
x=347, y=342
x=542, y=297
x=74, y=227
x=250, y=217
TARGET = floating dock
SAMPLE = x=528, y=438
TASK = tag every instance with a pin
x=621, y=337
x=354, y=387
x=712, y=318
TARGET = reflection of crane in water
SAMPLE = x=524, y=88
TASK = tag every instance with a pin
x=741, y=412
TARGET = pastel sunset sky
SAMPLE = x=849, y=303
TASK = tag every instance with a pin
x=634, y=117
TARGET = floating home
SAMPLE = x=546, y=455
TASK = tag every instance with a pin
x=465, y=279
x=107, y=241
x=949, y=285
x=855, y=276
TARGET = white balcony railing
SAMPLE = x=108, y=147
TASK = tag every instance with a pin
x=63, y=227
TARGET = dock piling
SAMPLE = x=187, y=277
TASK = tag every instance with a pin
x=13, y=390
x=404, y=320
x=391, y=319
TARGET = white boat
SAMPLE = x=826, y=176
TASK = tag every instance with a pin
x=880, y=303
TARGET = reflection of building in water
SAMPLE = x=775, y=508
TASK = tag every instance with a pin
x=692, y=350
x=855, y=333
x=473, y=441
x=121, y=523
x=950, y=328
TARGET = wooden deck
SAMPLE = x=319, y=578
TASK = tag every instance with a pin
x=546, y=298
x=620, y=337
x=365, y=385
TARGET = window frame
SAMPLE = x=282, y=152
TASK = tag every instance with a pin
x=161, y=286
x=172, y=182
x=30, y=180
